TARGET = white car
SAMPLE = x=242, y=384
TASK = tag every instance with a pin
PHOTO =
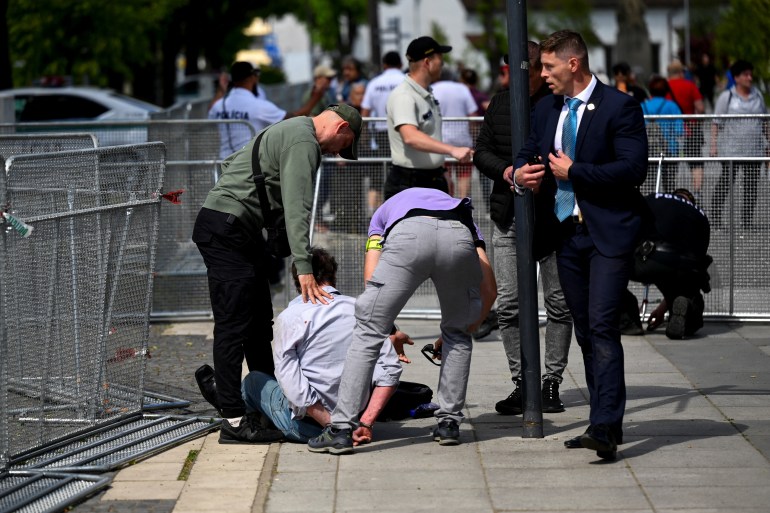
x=66, y=104
x=75, y=104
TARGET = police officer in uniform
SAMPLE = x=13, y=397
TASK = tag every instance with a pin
x=242, y=102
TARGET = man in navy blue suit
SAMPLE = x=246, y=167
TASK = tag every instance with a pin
x=591, y=146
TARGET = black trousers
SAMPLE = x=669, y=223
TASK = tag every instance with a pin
x=402, y=178
x=237, y=269
x=751, y=171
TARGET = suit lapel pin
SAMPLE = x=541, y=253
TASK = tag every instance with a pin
x=590, y=106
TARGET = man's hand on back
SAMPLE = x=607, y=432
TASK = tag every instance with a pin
x=312, y=291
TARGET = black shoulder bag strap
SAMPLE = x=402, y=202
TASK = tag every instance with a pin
x=259, y=181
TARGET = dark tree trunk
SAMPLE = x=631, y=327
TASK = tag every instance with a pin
x=633, y=41
x=6, y=70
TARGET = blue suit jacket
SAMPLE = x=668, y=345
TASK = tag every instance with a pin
x=610, y=164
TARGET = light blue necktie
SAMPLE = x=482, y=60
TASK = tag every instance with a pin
x=565, y=198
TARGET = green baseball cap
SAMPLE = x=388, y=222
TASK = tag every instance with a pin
x=353, y=117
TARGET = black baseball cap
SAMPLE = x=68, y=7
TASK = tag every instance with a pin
x=242, y=70
x=423, y=47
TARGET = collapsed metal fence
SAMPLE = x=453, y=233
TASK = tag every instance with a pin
x=78, y=241
x=76, y=291
x=348, y=192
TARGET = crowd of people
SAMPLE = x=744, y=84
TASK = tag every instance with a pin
x=336, y=360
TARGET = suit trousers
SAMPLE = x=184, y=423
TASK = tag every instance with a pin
x=236, y=265
x=558, y=328
x=593, y=287
x=416, y=249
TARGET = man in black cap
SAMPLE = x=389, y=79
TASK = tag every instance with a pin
x=414, y=124
x=228, y=233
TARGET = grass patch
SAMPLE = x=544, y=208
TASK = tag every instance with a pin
x=188, y=465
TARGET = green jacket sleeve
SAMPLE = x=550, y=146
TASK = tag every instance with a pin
x=298, y=165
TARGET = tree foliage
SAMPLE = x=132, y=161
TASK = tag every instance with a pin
x=138, y=41
x=89, y=40
x=742, y=34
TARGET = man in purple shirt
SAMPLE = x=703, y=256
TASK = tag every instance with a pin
x=417, y=234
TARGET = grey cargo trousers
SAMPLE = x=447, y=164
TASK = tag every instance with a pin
x=416, y=249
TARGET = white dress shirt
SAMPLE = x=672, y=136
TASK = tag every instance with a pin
x=310, y=347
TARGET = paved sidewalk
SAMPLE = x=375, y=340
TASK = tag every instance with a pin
x=697, y=432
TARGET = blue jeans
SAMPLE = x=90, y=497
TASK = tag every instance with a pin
x=262, y=393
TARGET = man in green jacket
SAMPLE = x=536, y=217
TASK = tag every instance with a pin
x=228, y=233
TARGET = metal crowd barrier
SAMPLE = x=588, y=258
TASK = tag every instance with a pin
x=76, y=290
x=192, y=165
x=348, y=192
x=20, y=144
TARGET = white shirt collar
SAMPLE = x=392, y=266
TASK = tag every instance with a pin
x=586, y=93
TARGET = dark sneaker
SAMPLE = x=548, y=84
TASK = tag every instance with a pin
x=511, y=405
x=677, y=320
x=550, y=397
x=695, y=315
x=486, y=327
x=447, y=432
x=251, y=430
x=205, y=378
x=333, y=441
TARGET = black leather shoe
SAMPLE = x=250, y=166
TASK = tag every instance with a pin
x=252, y=429
x=486, y=327
x=574, y=442
x=551, y=403
x=208, y=387
x=608, y=455
x=601, y=440
x=511, y=405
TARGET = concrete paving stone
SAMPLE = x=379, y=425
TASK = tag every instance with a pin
x=216, y=478
x=670, y=378
x=709, y=497
x=522, y=445
x=594, y=498
x=94, y=505
x=745, y=413
x=245, y=459
x=411, y=479
x=712, y=510
x=434, y=497
x=702, y=477
x=751, y=331
x=753, y=427
x=288, y=480
x=691, y=427
x=571, y=510
x=679, y=443
x=761, y=443
x=151, y=471
x=557, y=478
x=299, y=458
x=522, y=461
x=152, y=490
x=646, y=455
x=420, y=455
x=178, y=453
x=721, y=355
x=752, y=397
x=645, y=411
x=205, y=329
x=236, y=499
x=301, y=501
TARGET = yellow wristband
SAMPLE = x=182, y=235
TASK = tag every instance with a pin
x=375, y=244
